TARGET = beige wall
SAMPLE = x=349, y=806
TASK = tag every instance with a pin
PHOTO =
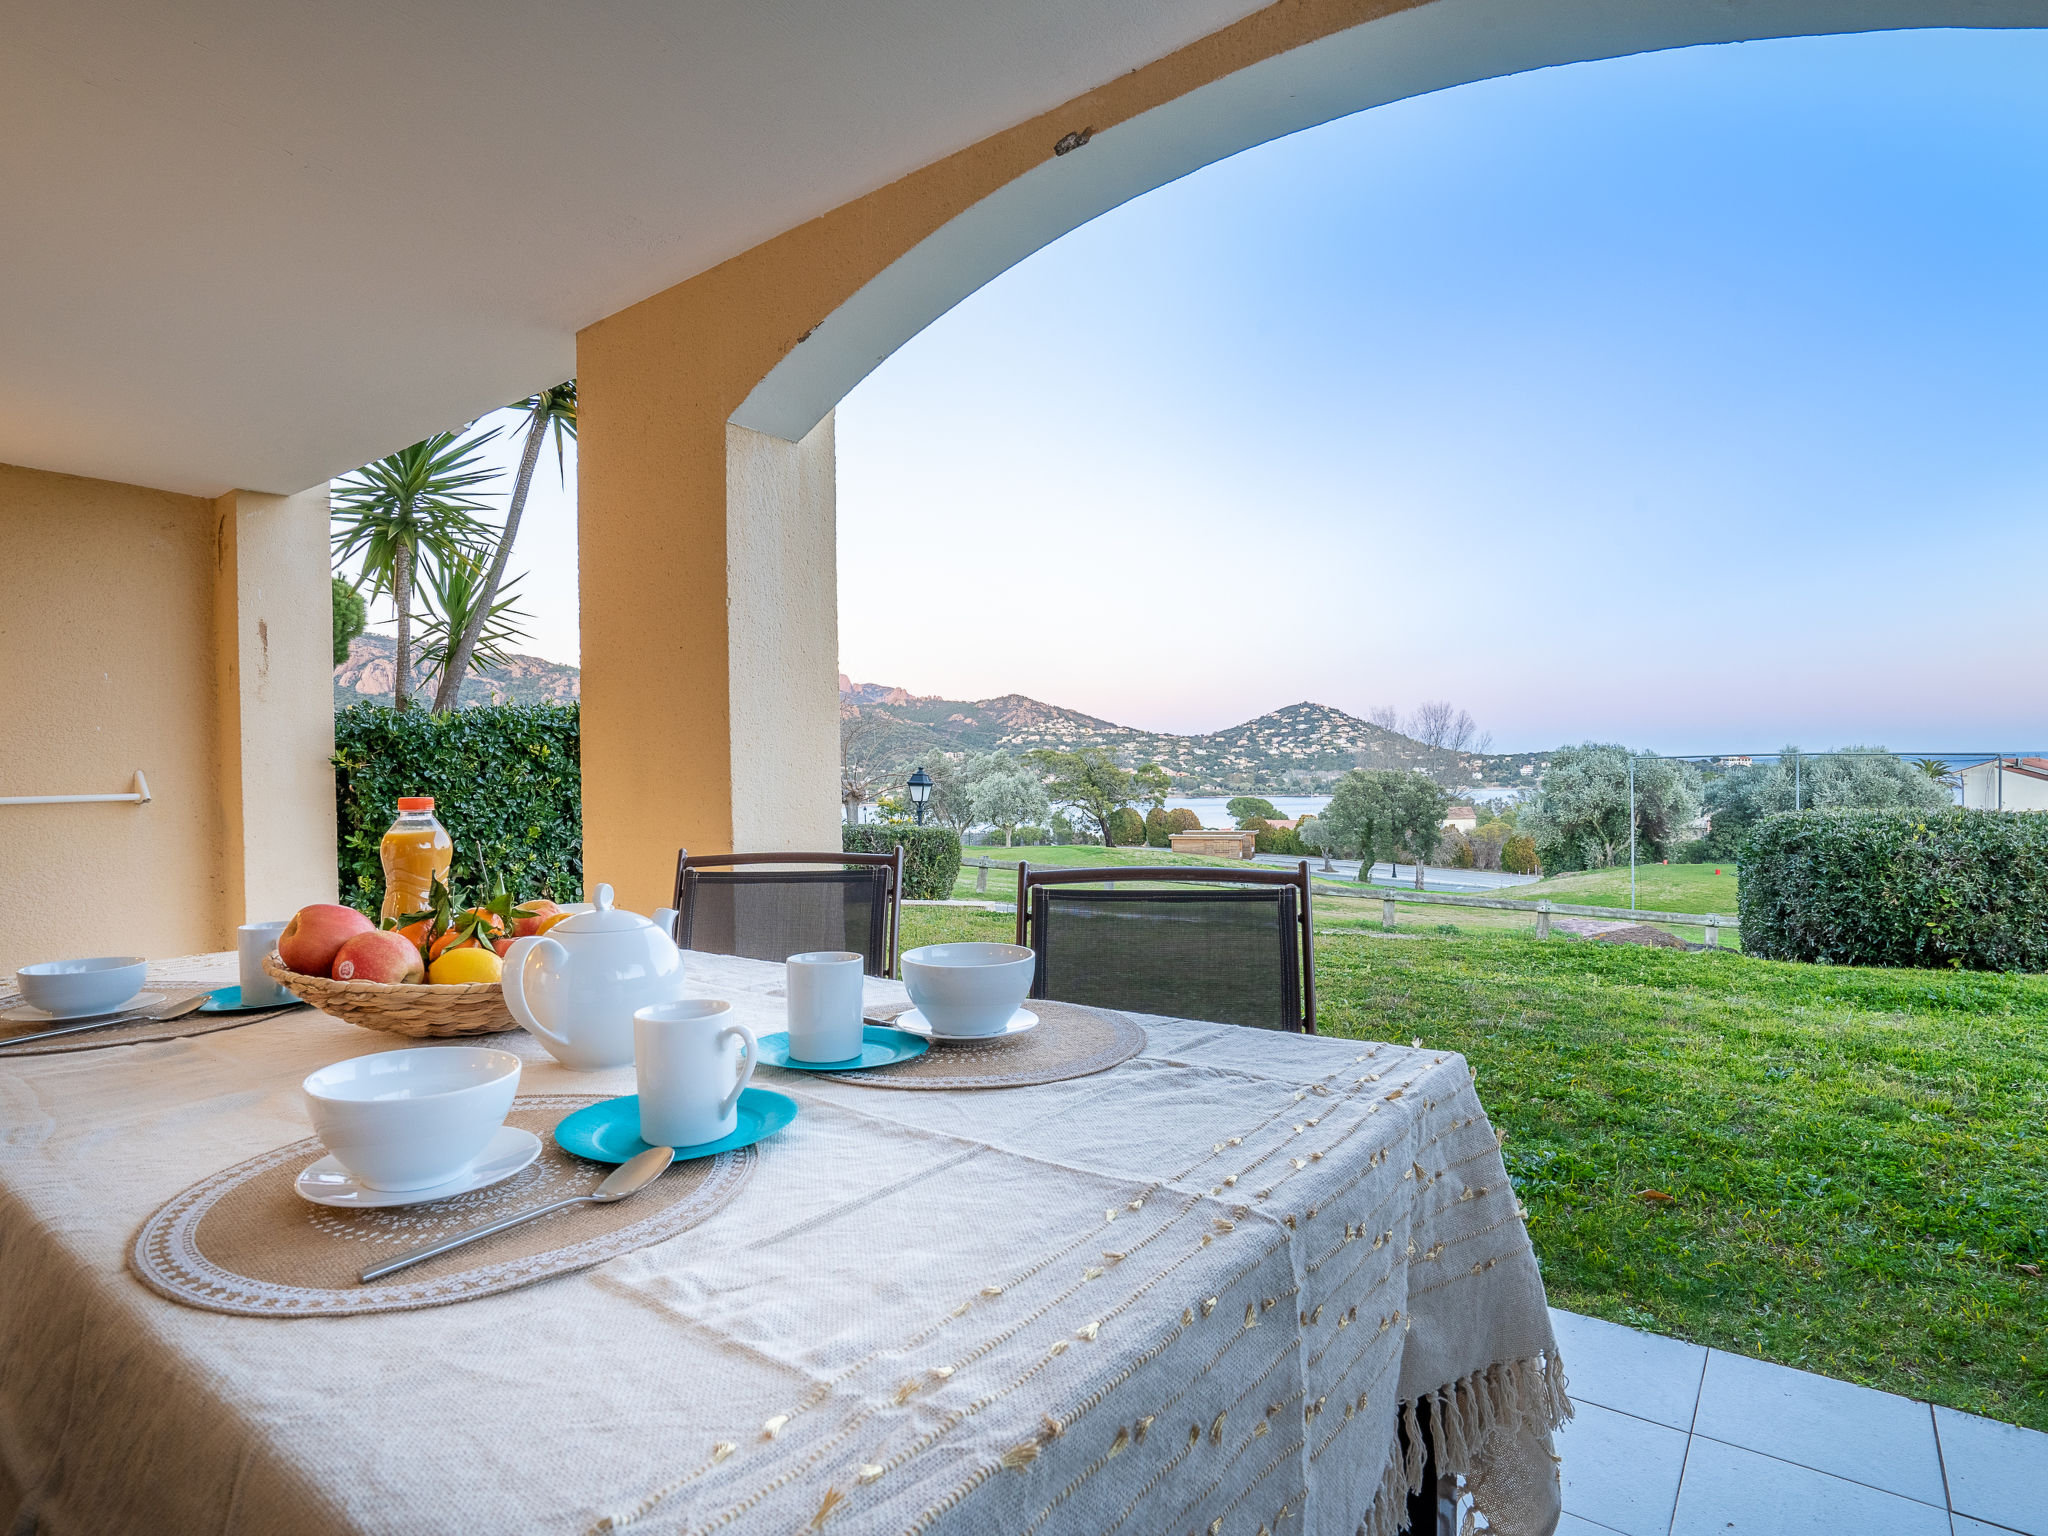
x=116, y=603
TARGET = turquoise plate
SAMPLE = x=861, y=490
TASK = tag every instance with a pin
x=880, y=1047
x=229, y=1000
x=610, y=1132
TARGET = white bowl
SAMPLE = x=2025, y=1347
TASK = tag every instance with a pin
x=81, y=986
x=411, y=1119
x=968, y=989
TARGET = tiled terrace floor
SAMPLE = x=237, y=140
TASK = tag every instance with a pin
x=1675, y=1440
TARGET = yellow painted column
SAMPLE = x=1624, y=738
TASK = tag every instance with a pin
x=274, y=704
x=707, y=572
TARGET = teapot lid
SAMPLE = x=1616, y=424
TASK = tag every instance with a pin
x=602, y=918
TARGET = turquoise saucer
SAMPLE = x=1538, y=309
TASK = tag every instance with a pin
x=880, y=1047
x=610, y=1132
x=228, y=999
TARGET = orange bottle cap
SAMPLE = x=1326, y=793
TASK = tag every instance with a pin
x=416, y=803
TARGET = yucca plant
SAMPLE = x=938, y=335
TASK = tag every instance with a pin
x=453, y=590
x=552, y=410
x=410, y=509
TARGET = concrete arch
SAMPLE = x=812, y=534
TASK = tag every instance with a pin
x=1409, y=52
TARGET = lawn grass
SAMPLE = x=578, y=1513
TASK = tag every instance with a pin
x=1856, y=1156
x=1659, y=887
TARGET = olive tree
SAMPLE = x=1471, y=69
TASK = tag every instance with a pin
x=1579, y=817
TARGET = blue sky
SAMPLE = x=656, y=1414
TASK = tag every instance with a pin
x=1697, y=400
x=1694, y=400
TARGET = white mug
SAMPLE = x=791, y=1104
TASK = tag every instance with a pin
x=687, y=1059
x=824, y=990
x=254, y=941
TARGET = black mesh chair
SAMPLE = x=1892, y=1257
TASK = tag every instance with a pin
x=772, y=913
x=1238, y=950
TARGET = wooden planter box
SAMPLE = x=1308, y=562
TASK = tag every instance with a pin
x=1216, y=845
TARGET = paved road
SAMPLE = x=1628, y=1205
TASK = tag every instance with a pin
x=1433, y=878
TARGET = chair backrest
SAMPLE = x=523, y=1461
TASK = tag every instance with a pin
x=1239, y=949
x=770, y=913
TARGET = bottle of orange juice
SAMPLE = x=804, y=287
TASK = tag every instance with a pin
x=416, y=851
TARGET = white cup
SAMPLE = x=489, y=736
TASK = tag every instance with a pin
x=687, y=1058
x=824, y=1005
x=254, y=941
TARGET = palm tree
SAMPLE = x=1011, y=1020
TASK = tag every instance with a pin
x=550, y=410
x=452, y=589
x=412, y=506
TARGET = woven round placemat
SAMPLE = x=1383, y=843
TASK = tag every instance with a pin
x=1070, y=1041
x=243, y=1242
x=171, y=979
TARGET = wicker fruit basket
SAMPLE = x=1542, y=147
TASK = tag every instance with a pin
x=428, y=1013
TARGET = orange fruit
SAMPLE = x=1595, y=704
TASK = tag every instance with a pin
x=553, y=918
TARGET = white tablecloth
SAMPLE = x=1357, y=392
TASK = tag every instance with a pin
x=1189, y=1294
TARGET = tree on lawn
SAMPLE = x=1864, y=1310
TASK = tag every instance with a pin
x=552, y=410
x=1580, y=815
x=414, y=506
x=1251, y=808
x=1383, y=813
x=951, y=802
x=1090, y=781
x=1151, y=784
x=1313, y=835
x=1007, y=793
x=1851, y=779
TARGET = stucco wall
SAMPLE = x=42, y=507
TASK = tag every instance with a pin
x=106, y=666
x=187, y=638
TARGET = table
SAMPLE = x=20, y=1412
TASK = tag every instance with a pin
x=1185, y=1295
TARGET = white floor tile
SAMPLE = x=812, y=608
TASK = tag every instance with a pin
x=1733, y=1492
x=1644, y=1374
x=1849, y=1431
x=1996, y=1472
x=1573, y=1525
x=1620, y=1472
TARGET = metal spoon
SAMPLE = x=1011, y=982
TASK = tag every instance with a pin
x=163, y=1013
x=630, y=1177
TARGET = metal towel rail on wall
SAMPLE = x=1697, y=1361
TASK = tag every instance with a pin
x=137, y=796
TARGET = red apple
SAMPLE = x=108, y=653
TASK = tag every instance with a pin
x=315, y=934
x=529, y=915
x=501, y=945
x=378, y=956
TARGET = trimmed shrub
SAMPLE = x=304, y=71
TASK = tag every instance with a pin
x=507, y=783
x=931, y=855
x=1126, y=827
x=1281, y=840
x=1967, y=889
x=1032, y=837
x=1156, y=832
x=1518, y=855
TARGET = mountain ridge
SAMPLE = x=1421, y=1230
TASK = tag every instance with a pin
x=1301, y=748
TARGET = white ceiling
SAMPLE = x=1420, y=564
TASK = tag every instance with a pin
x=254, y=243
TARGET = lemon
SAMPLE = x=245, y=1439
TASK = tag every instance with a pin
x=456, y=966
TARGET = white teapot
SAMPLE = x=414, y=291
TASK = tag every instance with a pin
x=578, y=986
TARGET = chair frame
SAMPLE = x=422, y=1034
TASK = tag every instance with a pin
x=1027, y=878
x=892, y=862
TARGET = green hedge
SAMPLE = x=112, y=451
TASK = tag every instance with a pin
x=1281, y=840
x=1947, y=888
x=507, y=784
x=931, y=855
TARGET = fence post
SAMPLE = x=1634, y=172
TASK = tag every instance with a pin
x=1713, y=935
x=1387, y=913
x=1542, y=919
x=981, y=876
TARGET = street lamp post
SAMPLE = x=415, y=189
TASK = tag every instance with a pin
x=920, y=791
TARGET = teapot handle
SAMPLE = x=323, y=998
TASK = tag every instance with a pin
x=725, y=1106
x=514, y=981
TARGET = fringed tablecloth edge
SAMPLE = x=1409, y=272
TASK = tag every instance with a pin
x=1506, y=1398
